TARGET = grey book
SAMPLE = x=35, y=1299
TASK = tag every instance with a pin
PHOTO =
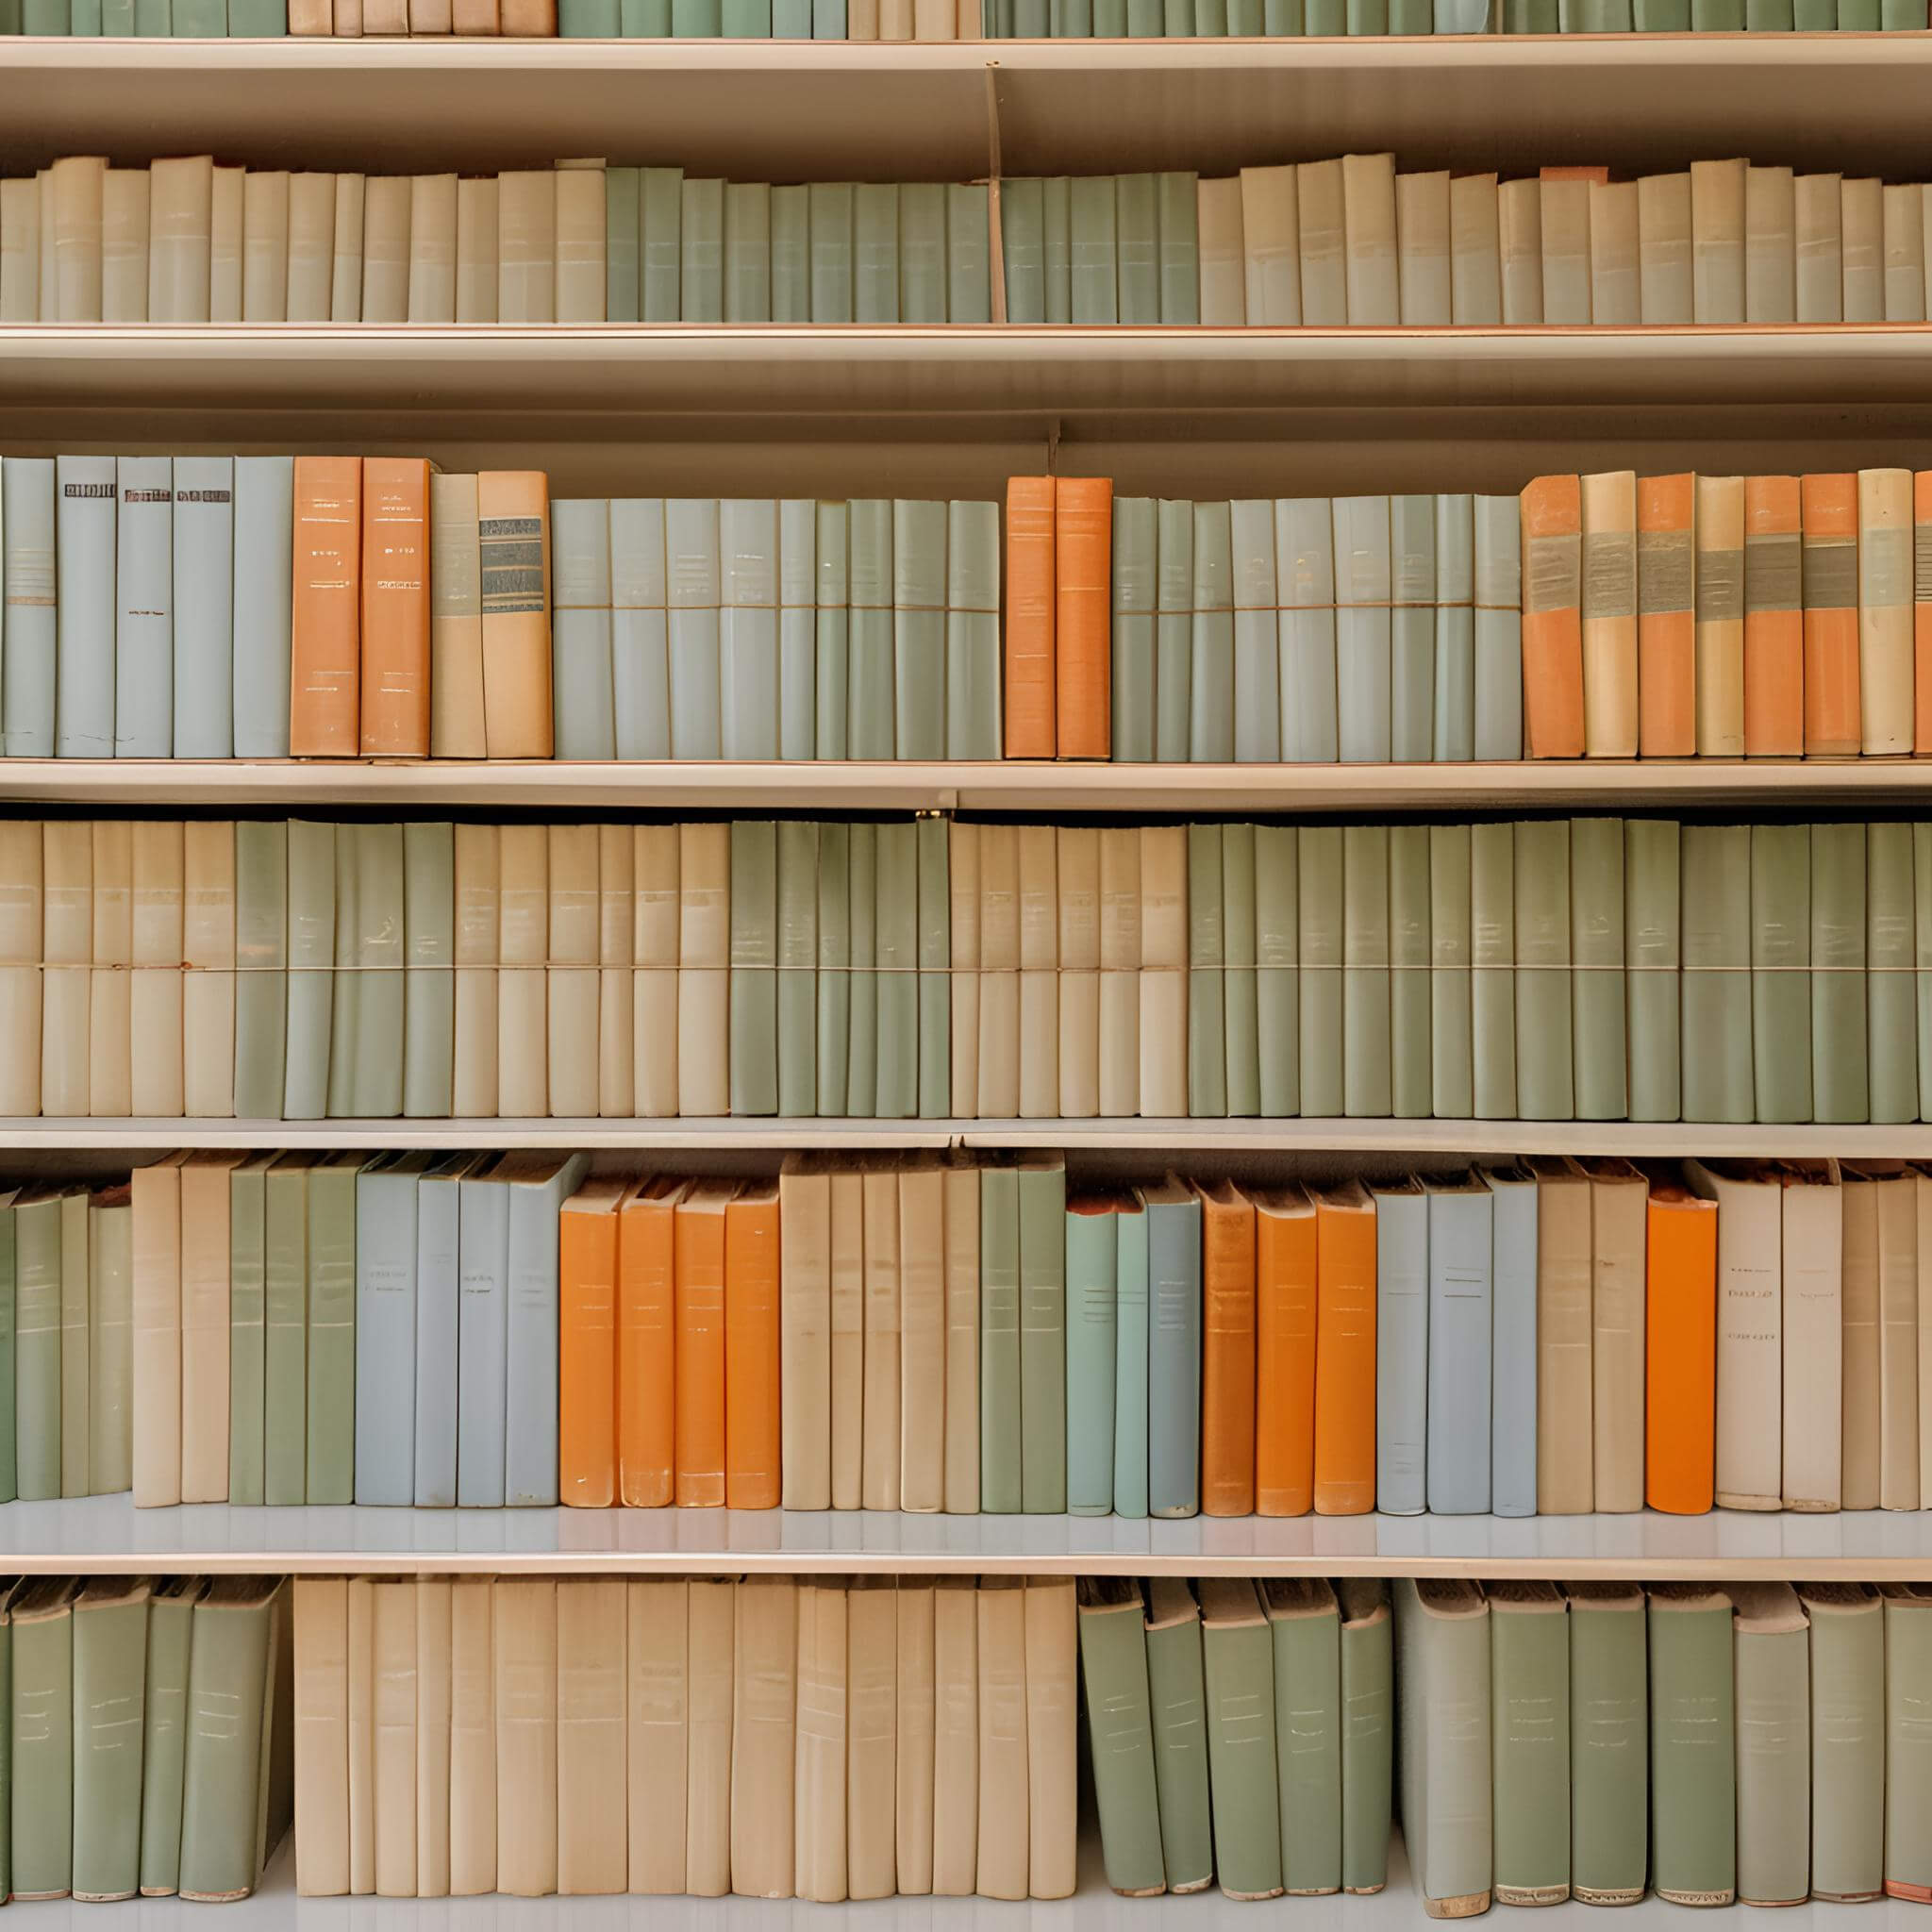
x=1443, y=1676
x=205, y=581
x=263, y=604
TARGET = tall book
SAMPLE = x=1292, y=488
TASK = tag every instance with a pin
x=1443, y=1676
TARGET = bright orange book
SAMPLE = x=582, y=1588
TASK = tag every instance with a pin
x=1030, y=606
x=513, y=553
x=395, y=607
x=326, y=651
x=698, y=1282
x=750, y=1348
x=1553, y=618
x=1227, y=1351
x=1083, y=615
x=1922, y=612
x=1680, y=1351
x=647, y=1345
x=1344, y=1351
x=1285, y=1297
x=1829, y=510
x=1666, y=617
x=1774, y=620
x=587, y=1343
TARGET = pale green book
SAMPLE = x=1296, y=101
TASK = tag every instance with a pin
x=247, y=1327
x=1277, y=970
x=661, y=244
x=261, y=960
x=622, y=232
x=969, y=253
x=1136, y=565
x=797, y=962
x=1174, y=630
x=1206, y=975
x=1210, y=699
x=1891, y=961
x=1137, y=229
x=1921, y=926
x=76, y=1339
x=1305, y=1624
x=344, y=982
x=1493, y=969
x=1178, y=1697
x=1120, y=1732
x=285, y=1332
x=1022, y=249
x=870, y=703
x=6, y=1741
x=1411, y=1073
x=1365, y=1033
x=1599, y=1055
x=1057, y=247
x=701, y=248
x=875, y=253
x=1180, y=248
x=895, y=955
x=1847, y=1674
x=1692, y=1742
x=1529, y=1700
x=1651, y=926
x=311, y=969
x=1319, y=926
x=753, y=991
x=1452, y=1061
x=1774, y=1692
x=1241, y=1016
x=791, y=246
x=1238, y=1665
x=9, y=1460
x=1545, y=1086
x=1781, y=970
x=919, y=628
x=1000, y=1490
x=231, y=1674
x=834, y=999
x=831, y=251
x=973, y=629
x=1908, y=1741
x=1043, y=1216
x=110, y=1681
x=37, y=1345
x=1443, y=1675
x=748, y=250
x=862, y=1023
x=1839, y=1091
x=934, y=967
x=428, y=970
x=1716, y=978
x=377, y=1092
x=831, y=628
x=42, y=1741
x=1368, y=1731
x=1609, y=1742
x=1093, y=1348
x=922, y=252
x=111, y=1342
x=1094, y=280
x=331, y=1263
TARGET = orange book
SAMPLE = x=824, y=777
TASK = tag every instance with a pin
x=1922, y=612
x=534, y=19
x=1227, y=1351
x=1344, y=1351
x=1774, y=620
x=1030, y=601
x=474, y=17
x=750, y=1348
x=1083, y=615
x=1553, y=618
x=1830, y=511
x=1666, y=618
x=395, y=607
x=1680, y=1351
x=647, y=1345
x=587, y=1344
x=326, y=651
x=1285, y=1276
x=698, y=1283
x=513, y=550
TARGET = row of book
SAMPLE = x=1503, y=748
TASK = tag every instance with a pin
x=823, y=1737
x=1246, y=19
x=146, y=1736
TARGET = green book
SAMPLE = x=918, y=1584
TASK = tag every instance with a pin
x=1452, y=1063
x=834, y=998
x=312, y=923
x=797, y=966
x=111, y=1342
x=6, y=1742
x=862, y=1022
x=1847, y=1680
x=1137, y=251
x=1043, y=1214
x=745, y=20
x=700, y=237
x=1000, y=1468
x=231, y=1674
x=1368, y=1732
x=1057, y=247
x=42, y=1741
x=262, y=962
x=1908, y=1743
x=1365, y=1036
x=1319, y=927
x=587, y=20
x=623, y=233
x=1692, y=1742
x=1206, y=975
x=754, y=993
x=969, y=253
x=919, y=628
x=831, y=629
x=164, y=1741
x=10, y=1461
x=1238, y=1664
x=1673, y=16
x=1306, y=1625
x=1597, y=970
x=1277, y=974
x=1530, y=1707
x=1240, y=995
x=1610, y=1749
x=935, y=968
x=1780, y=971
x=1443, y=1643
x=1838, y=1013
x=428, y=977
x=285, y=1332
x=110, y=1681
x=1774, y=1692
x=895, y=954
x=1135, y=565
x=1922, y=953
x=1174, y=631
x=922, y=252
x=1094, y=273
x=1178, y=1699
x=1094, y=1348
x=1716, y=978
x=972, y=630
x=661, y=244
x=875, y=253
x=831, y=253
x=1180, y=248
x=1412, y=1077
x=1890, y=992
x=331, y=1340
x=1652, y=916
x=697, y=20
x=247, y=1327
x=77, y=1336
x=1493, y=969
x=376, y=1092
x=792, y=236
x=1546, y=1087
x=1022, y=249
x=1120, y=1732
x=37, y=1345
x=748, y=241
x=870, y=700
x=1210, y=703
x=256, y=20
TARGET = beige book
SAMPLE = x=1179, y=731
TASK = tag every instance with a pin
x=154, y=993
x=456, y=620
x=1616, y=295
x=1717, y=242
x=592, y=1745
x=472, y=1736
x=1903, y=233
x=180, y=237
x=1819, y=201
x=478, y=218
x=1884, y=611
x=312, y=246
x=764, y=1740
x=20, y=250
x=1223, y=269
x=348, y=19
x=657, y=911
x=22, y=950
x=75, y=185
x=1771, y=261
x=204, y=1324
x=68, y=949
x=1422, y=236
x=1078, y=1021
x=1565, y=1429
x=1563, y=206
x=999, y=971
x=1039, y=875
x=522, y=941
x=703, y=956
x=1620, y=1198
x=1862, y=248
x=526, y=1700
x=1004, y=1850
x=322, y=1735
x=109, y=1070
x=1053, y=1707
x=385, y=17
x=479, y=860
x=1475, y=250
x=123, y=245
x=1609, y=615
x=956, y=1737
x=432, y=285
x=1663, y=249
x=935, y=20
x=433, y=1606
x=1321, y=223
x=362, y=1732
x=1117, y=1021
x=392, y=1623
x=964, y=985
x=1750, y=1352
x=1368, y=199
x=265, y=246
x=345, y=278
x=156, y=1380
x=1270, y=247
x=224, y=244
x=922, y=1326
x=862, y=20
x=915, y=1725
x=1898, y=1339
x=1862, y=1379
x=1163, y=971
x=878, y=1480
x=657, y=1742
x=819, y=1777
x=871, y=1749
x=526, y=246
x=616, y=1050
x=805, y=1332
x=708, y=1762
x=1719, y=616
x=207, y=982
x=1519, y=240
x=848, y=1335
x=1812, y=1257
x=386, y=249
x=962, y=1340
x=579, y=278
x=1921, y=1199
x=572, y=980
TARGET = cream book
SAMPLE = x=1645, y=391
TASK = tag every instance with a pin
x=708, y=1740
x=1052, y=1736
x=525, y=1660
x=1619, y=1197
x=703, y=959
x=655, y=913
x=392, y=1621
x=322, y=1735
x=616, y=1039
x=999, y=971
x=1039, y=873
x=1003, y=1763
x=916, y=1721
x=656, y=1703
x=592, y=1745
x=804, y=1331
x=956, y=1737
x=156, y=1380
x=818, y=1830
x=361, y=1733
x=871, y=1749
x=923, y=1323
x=1163, y=971
x=848, y=1334
x=523, y=945
x=572, y=994
x=154, y=999
x=435, y=1597
x=879, y=1479
x=22, y=950
x=472, y=1738
x=1749, y=1353
x=763, y=1735
x=1861, y=1379
x=1078, y=860
x=478, y=860
x=1812, y=1232
x=1565, y=1453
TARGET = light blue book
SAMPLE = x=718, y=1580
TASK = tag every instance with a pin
x=797, y=627
x=1304, y=572
x=875, y=253
x=1461, y=1216
x=27, y=625
x=145, y=607
x=436, y=1342
x=661, y=244
x=386, y=1242
x=869, y=696
x=582, y=700
x=1256, y=653
x=205, y=586
x=529, y=1441
x=623, y=233
x=1136, y=565
x=1412, y=629
x=482, y=1367
x=1210, y=705
x=923, y=253
x=748, y=627
x=973, y=629
x=1453, y=735
x=84, y=533
x=640, y=646
x=1094, y=273
x=832, y=627
x=919, y=628
x=1022, y=244
x=1057, y=251
x=1498, y=627
x=831, y=250
x=263, y=603
x=1173, y=1351
x=969, y=253
x=701, y=248
x=1363, y=583
x=692, y=584
x=1092, y=1351
x=792, y=211
x=1174, y=631
x=1402, y=1345
x=1131, y=1357
x=1512, y=1344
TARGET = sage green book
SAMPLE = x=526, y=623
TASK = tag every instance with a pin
x=1137, y=229
x=1120, y=1732
x=1057, y=247
x=1180, y=248
x=1774, y=1692
x=1368, y=1731
x=1716, y=975
x=1546, y=1087
x=1908, y=1741
x=344, y=981
x=1443, y=1676
x=1652, y=923
x=972, y=630
x=311, y=969
x=1178, y=1699
x=1174, y=631
x=896, y=976
x=1529, y=1718
x=1000, y=1486
x=111, y=1342
x=42, y=1742
x=935, y=966
x=1023, y=248
x=871, y=708
x=1136, y=565
x=875, y=253
x=284, y=1331
x=748, y=250
x=1365, y=1042
x=261, y=961
x=969, y=253
x=797, y=966
x=919, y=628
x=1600, y=1049
x=37, y=1345
x=77, y=1345
x=1240, y=995
x=831, y=628
x=661, y=244
x=331, y=1259
x=1922, y=928
x=1840, y=1088
x=1238, y=1664
x=8, y=1590
x=1610, y=1755
x=1210, y=703
x=1094, y=281
x=170, y=1614
x=1847, y=1671
x=1493, y=969
x=862, y=1024
x=791, y=246
x=1452, y=1047
x=1306, y=1625
x=922, y=252
x=1411, y=1075
x=623, y=233
x=831, y=251
x=1043, y=1214
x=1319, y=940
x=1693, y=1778
x=1206, y=975
x=1277, y=970
x=231, y=1674
x=377, y=1090
x=247, y=1327
x=754, y=997
x=1891, y=961
x=1780, y=971
x=833, y=996
x=10, y=1461
x=110, y=1683
x=700, y=249
x=430, y=1013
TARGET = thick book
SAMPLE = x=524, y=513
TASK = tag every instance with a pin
x=1403, y=1345
x=1774, y=1743
x=1609, y=1755
x=1529, y=1688
x=1237, y=1647
x=1461, y=1272
x=1846, y=1641
x=1692, y=1745
x=1565, y=1430
x=1345, y=1473
x=1175, y=1688
x=1120, y=1733
x=1443, y=1678
x=1304, y=1625
x=1680, y=1350
x=1368, y=1732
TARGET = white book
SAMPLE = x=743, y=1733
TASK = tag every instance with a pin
x=265, y=246
x=224, y=244
x=693, y=587
x=1271, y=246
x=76, y=184
x=345, y=282
x=1422, y=238
x=1368, y=190
x=1750, y=1330
x=312, y=246
x=1818, y=203
x=205, y=585
x=1520, y=240
x=144, y=609
x=1475, y=250
x=433, y=248
x=20, y=250
x=1663, y=249
x=124, y=246
x=1813, y=1278
x=1861, y=246
x=1771, y=251
x=526, y=246
x=84, y=532
x=578, y=295
x=1322, y=222
x=180, y=238
x=386, y=249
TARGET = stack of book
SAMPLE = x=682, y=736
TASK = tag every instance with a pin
x=821, y=1739
x=147, y=1734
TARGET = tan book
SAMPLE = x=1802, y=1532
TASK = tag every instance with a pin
x=1004, y=1850
x=67, y=870
x=526, y=1699
x=325, y=703
x=1118, y=1003
x=22, y=950
x=479, y=860
x=878, y=1482
x=819, y=1779
x=478, y=219
x=592, y=1745
x=362, y=1732
x=156, y=1194
x=804, y=1328
x=961, y=1187
x=345, y=277
x=224, y=246
x=1052, y=1736
x=916, y=1723
x=208, y=980
x=1663, y=239
x=956, y=1737
x=1615, y=294
x=1163, y=971
x=573, y=982
x=923, y=1324
x=321, y=1736
x=999, y=971
x=204, y=1324
x=657, y=1742
x=434, y=1600
x=963, y=989
x=523, y=947
x=392, y=1623
x=1619, y=1197
x=871, y=1750
x=1898, y=1337
x=764, y=1740
x=616, y=1048
x=456, y=620
x=578, y=295
x=1719, y=616
x=1864, y=1400
x=265, y=246
x=703, y=959
x=1609, y=614
x=395, y=607
x=472, y=1736
x=1565, y=1426
x=707, y=1760
x=1039, y=880
x=526, y=246
x=655, y=912
x=154, y=996
x=848, y=1335
x=432, y=247
x=1520, y=240
x=312, y=246
x=1078, y=859
x=109, y=1070
x=514, y=540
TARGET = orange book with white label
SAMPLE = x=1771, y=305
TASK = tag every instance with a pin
x=1344, y=1351
x=1666, y=646
x=1553, y=618
x=325, y=650
x=1680, y=1347
x=1031, y=601
x=698, y=1282
x=1774, y=619
x=1227, y=1351
x=750, y=1348
x=1285, y=1297
x=1083, y=615
x=395, y=607
x=647, y=1345
x=1829, y=510
x=587, y=1229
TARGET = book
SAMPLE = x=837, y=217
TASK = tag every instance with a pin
x=1774, y=1743
x=1443, y=1676
x=110, y=1640
x=1178, y=1700
x=228, y=1810
x=1237, y=1646
x=1610, y=1755
x=1304, y=1628
x=1846, y=1640
x=1692, y=1745
x=1403, y=1307
x=1529, y=1687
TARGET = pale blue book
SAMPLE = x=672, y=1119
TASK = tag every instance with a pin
x=1210, y=703
x=919, y=628
x=1180, y=248
x=203, y=585
x=973, y=629
x=1174, y=631
x=797, y=627
x=832, y=627
x=1256, y=655
x=1453, y=734
x=1131, y=1357
x=1056, y=201
x=693, y=575
x=640, y=650
x=1498, y=627
x=1136, y=565
x=529, y=1438
x=1412, y=629
x=1461, y=1238
x=386, y=1237
x=1022, y=246
x=1363, y=582
x=1174, y=1349
x=622, y=232
x=28, y=626
x=1512, y=1345
x=1402, y=1346
x=145, y=607
x=263, y=603
x=969, y=253
x=870, y=695
x=482, y=1366
x=84, y=522
x=438, y=1299
x=1092, y=1351
x=582, y=701
x=748, y=627
x=828, y=19
x=923, y=253
x=875, y=253
x=1305, y=570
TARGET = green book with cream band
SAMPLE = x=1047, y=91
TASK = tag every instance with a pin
x=1840, y=1086
x=831, y=628
x=43, y=1736
x=1773, y=1748
x=1135, y=562
x=1241, y=1017
x=1120, y=1733
x=1529, y=1693
x=232, y=1677
x=1368, y=1731
x=1890, y=960
x=1715, y=979
x=1693, y=1747
x=1493, y=968
x=1177, y=1698
x=1174, y=631
x=1598, y=1012
x=1305, y=1626
x=1609, y=1748
x=833, y=997
x=1652, y=922
x=1780, y=971
x=1238, y=1663
x=798, y=648
x=1277, y=970
x=972, y=630
x=896, y=980
x=109, y=1678
x=797, y=966
x=1318, y=908
x=1847, y=1673
x=870, y=701
x=1545, y=1084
